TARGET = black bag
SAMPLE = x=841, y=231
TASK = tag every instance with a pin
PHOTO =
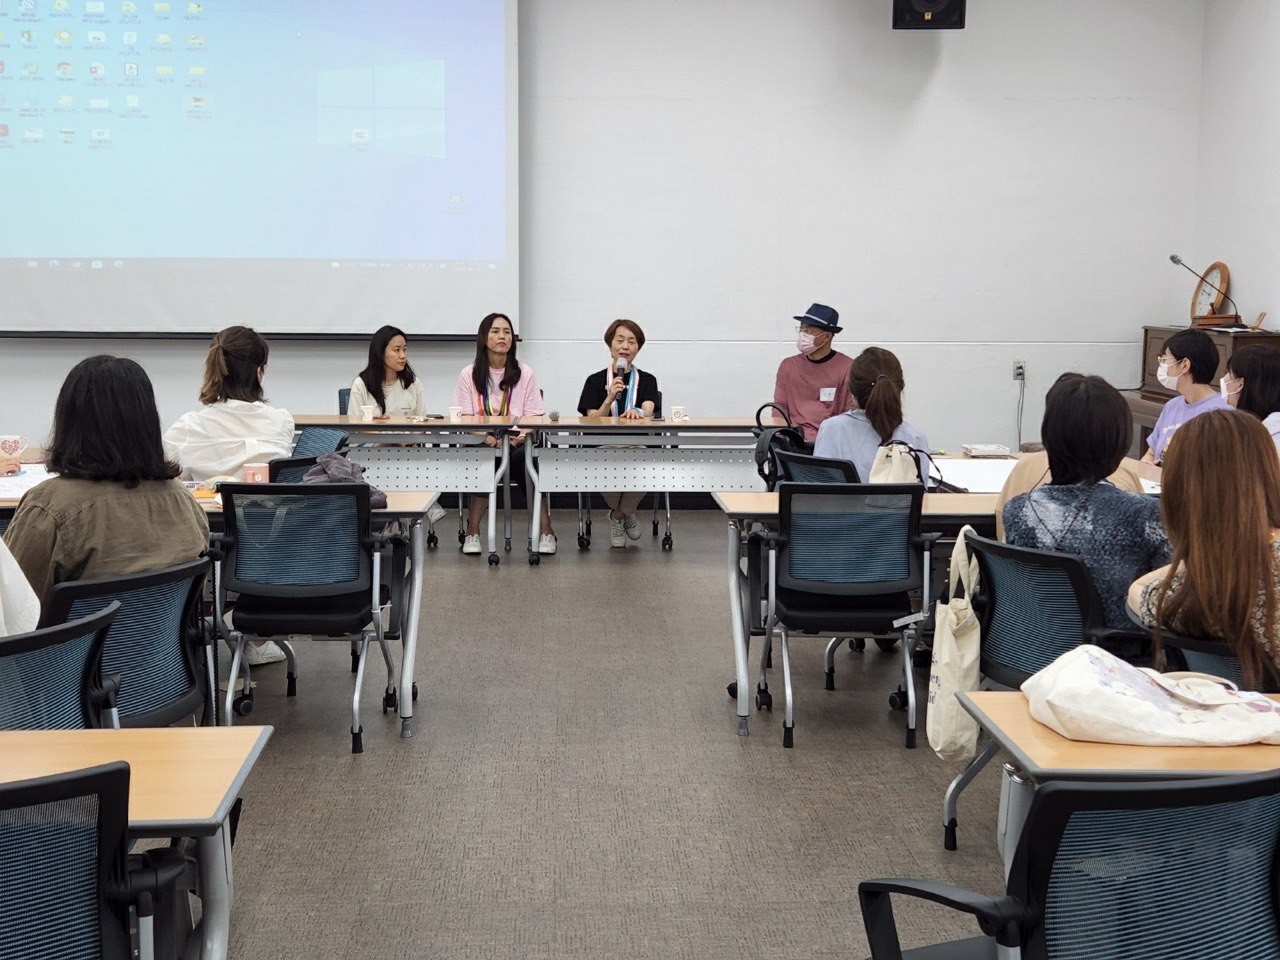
x=769, y=439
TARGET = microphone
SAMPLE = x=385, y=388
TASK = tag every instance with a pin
x=1174, y=258
x=620, y=367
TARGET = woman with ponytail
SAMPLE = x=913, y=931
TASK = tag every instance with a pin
x=875, y=381
x=236, y=425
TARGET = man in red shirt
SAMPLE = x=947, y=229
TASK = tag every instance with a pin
x=814, y=384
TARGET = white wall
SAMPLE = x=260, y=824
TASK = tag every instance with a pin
x=710, y=168
x=1238, y=191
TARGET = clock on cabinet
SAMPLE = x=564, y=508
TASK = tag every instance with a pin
x=1206, y=300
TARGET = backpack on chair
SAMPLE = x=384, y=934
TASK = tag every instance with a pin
x=770, y=439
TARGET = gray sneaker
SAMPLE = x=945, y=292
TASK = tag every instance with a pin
x=617, y=534
x=632, y=526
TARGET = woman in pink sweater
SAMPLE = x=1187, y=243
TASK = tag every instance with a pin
x=496, y=384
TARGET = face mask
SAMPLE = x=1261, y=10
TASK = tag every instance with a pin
x=1167, y=380
x=804, y=343
x=1228, y=394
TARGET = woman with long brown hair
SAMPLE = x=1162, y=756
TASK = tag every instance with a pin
x=1220, y=499
x=876, y=382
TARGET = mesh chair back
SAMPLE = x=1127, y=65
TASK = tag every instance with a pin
x=1208, y=656
x=49, y=677
x=802, y=468
x=850, y=539
x=657, y=404
x=62, y=849
x=1153, y=871
x=290, y=469
x=154, y=642
x=296, y=540
x=344, y=400
x=313, y=441
x=1033, y=606
x=4, y=524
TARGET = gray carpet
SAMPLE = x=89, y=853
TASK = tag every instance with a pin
x=576, y=787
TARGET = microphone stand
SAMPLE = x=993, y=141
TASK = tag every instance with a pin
x=1174, y=258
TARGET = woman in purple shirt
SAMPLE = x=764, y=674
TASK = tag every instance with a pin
x=1187, y=365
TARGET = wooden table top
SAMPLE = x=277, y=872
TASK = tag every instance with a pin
x=761, y=505
x=182, y=779
x=1045, y=754
x=404, y=424
x=610, y=424
x=399, y=503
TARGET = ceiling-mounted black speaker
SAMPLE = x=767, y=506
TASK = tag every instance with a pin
x=928, y=14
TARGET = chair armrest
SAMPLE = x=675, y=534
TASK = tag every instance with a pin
x=928, y=539
x=1004, y=918
x=1118, y=633
x=770, y=538
x=105, y=696
x=217, y=546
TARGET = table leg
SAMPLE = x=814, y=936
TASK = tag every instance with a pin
x=215, y=895
x=499, y=473
x=1016, y=791
x=739, y=635
x=409, y=635
x=535, y=508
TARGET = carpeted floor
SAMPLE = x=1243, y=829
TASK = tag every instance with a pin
x=577, y=789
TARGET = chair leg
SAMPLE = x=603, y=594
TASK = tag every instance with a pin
x=909, y=682
x=210, y=718
x=788, y=724
x=355, y=655
x=389, y=694
x=291, y=668
x=242, y=704
x=829, y=661
x=357, y=731
x=764, y=699
x=951, y=799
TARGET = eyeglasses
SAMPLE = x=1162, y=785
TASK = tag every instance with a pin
x=809, y=328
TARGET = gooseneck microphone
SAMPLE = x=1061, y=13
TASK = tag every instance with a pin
x=1174, y=258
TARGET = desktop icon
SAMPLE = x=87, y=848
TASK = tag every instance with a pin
x=195, y=40
x=4, y=131
x=96, y=264
x=197, y=103
x=64, y=68
x=97, y=36
x=95, y=6
x=27, y=6
x=1, y=36
x=97, y=70
x=61, y=6
x=101, y=133
x=195, y=9
x=99, y=103
x=163, y=39
x=130, y=38
x=360, y=135
x=128, y=6
x=28, y=36
x=30, y=68
x=33, y=135
x=131, y=101
x=1, y=68
x=62, y=38
x=66, y=100
x=164, y=71
x=162, y=6
x=130, y=69
x=196, y=71
x=68, y=134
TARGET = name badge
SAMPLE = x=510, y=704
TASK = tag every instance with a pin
x=827, y=394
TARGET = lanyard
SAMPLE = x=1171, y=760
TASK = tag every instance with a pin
x=630, y=390
x=503, y=408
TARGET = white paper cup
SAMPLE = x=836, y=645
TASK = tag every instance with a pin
x=455, y=414
x=677, y=413
x=367, y=411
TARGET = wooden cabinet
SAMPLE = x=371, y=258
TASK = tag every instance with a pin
x=1146, y=402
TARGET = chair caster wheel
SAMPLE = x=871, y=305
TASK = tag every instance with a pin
x=415, y=691
x=432, y=541
x=857, y=644
x=584, y=543
x=291, y=688
x=886, y=643
x=462, y=538
x=666, y=542
x=787, y=739
x=388, y=701
x=831, y=679
x=588, y=527
x=898, y=700
x=733, y=690
x=534, y=559
x=911, y=739
x=922, y=658
x=355, y=661
x=242, y=705
x=655, y=528
x=949, y=836
x=507, y=546
x=493, y=559
x=764, y=700
x=357, y=740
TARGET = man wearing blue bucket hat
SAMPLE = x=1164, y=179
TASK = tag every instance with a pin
x=814, y=384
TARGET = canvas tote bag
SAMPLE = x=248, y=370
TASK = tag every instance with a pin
x=1090, y=694
x=953, y=734
x=895, y=462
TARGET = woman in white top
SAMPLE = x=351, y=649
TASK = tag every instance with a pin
x=388, y=382
x=1252, y=384
x=236, y=425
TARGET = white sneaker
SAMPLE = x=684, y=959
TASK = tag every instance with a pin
x=632, y=525
x=471, y=544
x=547, y=543
x=258, y=654
x=617, y=534
x=436, y=513
x=222, y=685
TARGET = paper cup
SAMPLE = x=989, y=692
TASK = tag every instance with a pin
x=677, y=413
x=367, y=411
x=455, y=414
x=12, y=445
x=256, y=473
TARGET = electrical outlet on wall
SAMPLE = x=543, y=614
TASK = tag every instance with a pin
x=1019, y=370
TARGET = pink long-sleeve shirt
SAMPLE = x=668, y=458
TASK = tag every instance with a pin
x=526, y=396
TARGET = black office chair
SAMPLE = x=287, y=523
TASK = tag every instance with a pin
x=1126, y=871
x=844, y=561
x=313, y=441
x=158, y=643
x=804, y=468
x=1032, y=607
x=344, y=400
x=52, y=677
x=302, y=559
x=68, y=882
x=289, y=469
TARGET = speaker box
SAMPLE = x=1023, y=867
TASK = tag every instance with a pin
x=928, y=14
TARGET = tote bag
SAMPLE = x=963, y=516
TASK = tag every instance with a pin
x=895, y=462
x=953, y=734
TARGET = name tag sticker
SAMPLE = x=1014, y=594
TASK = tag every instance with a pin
x=827, y=394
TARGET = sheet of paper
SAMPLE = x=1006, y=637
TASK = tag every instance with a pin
x=976, y=476
x=1150, y=486
x=12, y=488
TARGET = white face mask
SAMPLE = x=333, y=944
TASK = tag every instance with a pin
x=1167, y=380
x=804, y=343
x=1228, y=394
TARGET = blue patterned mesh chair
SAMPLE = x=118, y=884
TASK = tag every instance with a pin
x=802, y=468
x=844, y=561
x=313, y=441
x=68, y=885
x=303, y=560
x=1032, y=606
x=290, y=469
x=51, y=679
x=158, y=644
x=1209, y=656
x=1121, y=871
x=344, y=400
